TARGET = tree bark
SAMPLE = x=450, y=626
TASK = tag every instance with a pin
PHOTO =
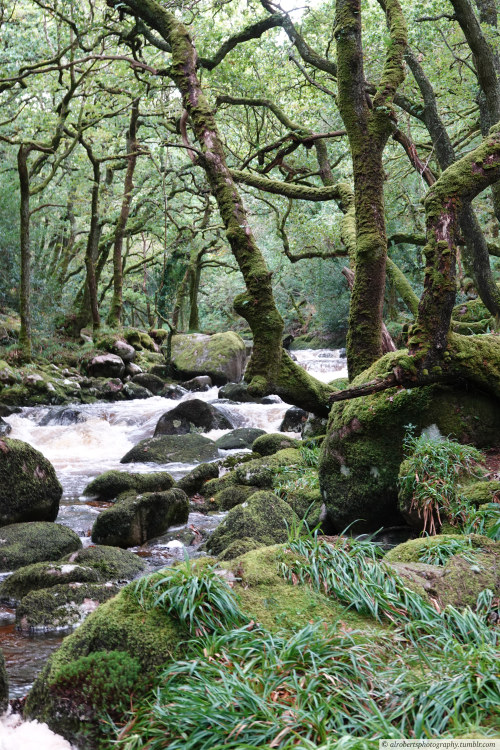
x=25, y=247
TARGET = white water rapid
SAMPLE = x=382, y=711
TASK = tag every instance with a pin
x=87, y=448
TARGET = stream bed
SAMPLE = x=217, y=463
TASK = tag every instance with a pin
x=83, y=450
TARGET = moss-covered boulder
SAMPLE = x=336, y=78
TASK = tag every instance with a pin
x=194, y=480
x=165, y=449
x=135, y=519
x=111, y=563
x=307, y=504
x=191, y=416
x=294, y=420
x=140, y=340
x=418, y=550
x=109, y=485
x=243, y=437
x=235, y=494
x=106, y=366
x=151, y=382
x=363, y=449
x=133, y=391
x=264, y=518
x=4, y=685
x=25, y=543
x=119, y=624
x=62, y=607
x=43, y=576
x=221, y=356
x=273, y=442
x=29, y=488
x=480, y=493
x=238, y=548
x=256, y=473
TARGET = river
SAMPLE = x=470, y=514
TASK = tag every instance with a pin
x=81, y=451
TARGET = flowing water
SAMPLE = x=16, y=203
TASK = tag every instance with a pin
x=81, y=451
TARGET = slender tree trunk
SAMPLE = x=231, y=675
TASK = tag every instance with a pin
x=194, y=287
x=116, y=310
x=92, y=249
x=25, y=296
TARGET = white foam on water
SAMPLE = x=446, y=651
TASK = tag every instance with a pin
x=16, y=734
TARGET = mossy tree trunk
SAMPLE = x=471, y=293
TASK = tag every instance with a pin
x=89, y=310
x=368, y=126
x=25, y=248
x=116, y=309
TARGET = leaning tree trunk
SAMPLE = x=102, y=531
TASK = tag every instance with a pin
x=25, y=247
x=269, y=369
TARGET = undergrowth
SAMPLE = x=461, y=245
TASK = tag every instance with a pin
x=427, y=674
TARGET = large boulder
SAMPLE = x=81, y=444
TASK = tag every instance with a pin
x=238, y=392
x=106, y=366
x=29, y=488
x=5, y=427
x=4, y=685
x=152, y=382
x=25, y=543
x=294, y=420
x=186, y=449
x=363, y=449
x=191, y=416
x=221, y=356
x=111, y=563
x=194, y=480
x=44, y=575
x=264, y=518
x=134, y=520
x=272, y=442
x=243, y=437
x=112, y=483
x=200, y=383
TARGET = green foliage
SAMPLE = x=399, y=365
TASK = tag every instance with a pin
x=484, y=520
x=440, y=553
x=203, y=601
x=430, y=477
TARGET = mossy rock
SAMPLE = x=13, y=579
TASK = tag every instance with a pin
x=195, y=480
x=363, y=450
x=243, y=437
x=117, y=625
x=307, y=504
x=463, y=581
x=4, y=685
x=236, y=459
x=410, y=551
x=43, y=576
x=238, y=548
x=29, y=488
x=109, y=485
x=255, y=474
x=110, y=562
x=265, y=518
x=480, y=493
x=213, y=486
x=273, y=442
x=140, y=340
x=61, y=607
x=189, y=449
x=233, y=495
x=193, y=415
x=26, y=543
x=136, y=519
x=222, y=356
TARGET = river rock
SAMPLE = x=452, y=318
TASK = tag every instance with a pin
x=191, y=416
x=188, y=449
x=243, y=437
x=62, y=607
x=273, y=442
x=314, y=426
x=134, y=390
x=235, y=494
x=238, y=392
x=25, y=543
x=112, y=483
x=106, y=366
x=134, y=520
x=44, y=575
x=111, y=563
x=363, y=449
x=4, y=685
x=141, y=340
x=174, y=392
x=294, y=420
x=132, y=369
x=193, y=481
x=152, y=382
x=5, y=427
x=123, y=350
x=7, y=411
x=221, y=356
x=265, y=518
x=200, y=383
x=65, y=416
x=29, y=488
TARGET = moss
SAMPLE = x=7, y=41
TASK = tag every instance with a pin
x=462, y=582
x=117, y=625
x=139, y=339
x=43, y=576
x=255, y=473
x=197, y=477
x=243, y=437
x=213, y=486
x=363, y=450
x=264, y=518
x=188, y=449
x=480, y=493
x=222, y=356
x=307, y=504
x=271, y=443
x=25, y=543
x=110, y=562
x=410, y=551
x=238, y=548
x=61, y=607
x=109, y=485
x=233, y=495
x=29, y=488
x=135, y=519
